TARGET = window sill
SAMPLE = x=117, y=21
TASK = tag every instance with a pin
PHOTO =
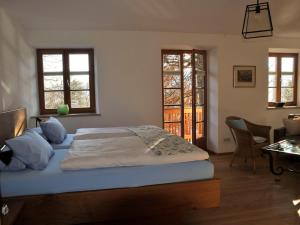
x=284, y=107
x=69, y=115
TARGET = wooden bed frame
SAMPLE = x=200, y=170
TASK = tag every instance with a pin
x=171, y=200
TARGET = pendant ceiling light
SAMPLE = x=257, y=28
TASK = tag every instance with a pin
x=257, y=21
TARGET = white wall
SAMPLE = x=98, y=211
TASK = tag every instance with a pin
x=17, y=68
x=129, y=76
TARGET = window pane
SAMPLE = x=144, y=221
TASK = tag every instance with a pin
x=199, y=96
x=287, y=94
x=287, y=64
x=272, y=64
x=172, y=113
x=287, y=81
x=272, y=80
x=172, y=97
x=54, y=99
x=79, y=62
x=173, y=128
x=272, y=95
x=199, y=130
x=53, y=83
x=80, y=99
x=199, y=63
x=200, y=79
x=172, y=81
x=199, y=114
x=79, y=82
x=171, y=63
x=187, y=60
x=52, y=63
x=187, y=89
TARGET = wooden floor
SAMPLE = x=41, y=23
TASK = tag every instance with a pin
x=246, y=199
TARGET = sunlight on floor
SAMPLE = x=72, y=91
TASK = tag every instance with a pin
x=296, y=202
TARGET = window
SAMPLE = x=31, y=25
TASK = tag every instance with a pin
x=282, y=78
x=184, y=94
x=66, y=76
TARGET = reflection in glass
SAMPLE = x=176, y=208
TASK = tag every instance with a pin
x=52, y=63
x=53, y=99
x=80, y=99
x=79, y=62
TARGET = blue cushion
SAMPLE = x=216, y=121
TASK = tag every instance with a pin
x=54, y=130
x=33, y=150
x=14, y=165
x=239, y=124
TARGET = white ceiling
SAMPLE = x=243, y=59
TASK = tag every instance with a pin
x=197, y=16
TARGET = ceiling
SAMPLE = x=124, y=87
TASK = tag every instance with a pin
x=195, y=16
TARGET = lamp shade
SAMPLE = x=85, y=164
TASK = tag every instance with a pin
x=257, y=21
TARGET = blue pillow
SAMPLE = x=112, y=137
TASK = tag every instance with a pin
x=54, y=130
x=240, y=124
x=14, y=165
x=33, y=150
x=39, y=131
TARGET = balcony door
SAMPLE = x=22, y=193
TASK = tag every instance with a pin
x=184, y=94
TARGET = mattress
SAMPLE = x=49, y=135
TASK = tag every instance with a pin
x=53, y=180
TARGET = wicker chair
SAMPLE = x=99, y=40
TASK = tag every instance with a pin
x=249, y=141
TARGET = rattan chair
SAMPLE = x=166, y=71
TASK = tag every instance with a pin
x=246, y=140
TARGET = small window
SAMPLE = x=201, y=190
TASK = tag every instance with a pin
x=282, y=78
x=66, y=76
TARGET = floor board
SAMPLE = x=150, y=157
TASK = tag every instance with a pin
x=246, y=199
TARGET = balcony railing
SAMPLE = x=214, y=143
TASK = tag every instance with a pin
x=172, y=120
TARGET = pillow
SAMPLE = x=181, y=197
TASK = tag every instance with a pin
x=33, y=150
x=14, y=164
x=54, y=130
x=292, y=126
x=39, y=131
x=240, y=124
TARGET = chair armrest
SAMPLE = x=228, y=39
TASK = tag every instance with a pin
x=279, y=134
x=259, y=130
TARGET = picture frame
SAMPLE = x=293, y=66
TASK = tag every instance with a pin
x=244, y=76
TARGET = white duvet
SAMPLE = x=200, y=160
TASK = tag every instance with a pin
x=94, y=148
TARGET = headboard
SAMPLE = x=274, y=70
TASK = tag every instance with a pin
x=12, y=124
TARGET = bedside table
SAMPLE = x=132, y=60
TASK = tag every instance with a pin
x=15, y=208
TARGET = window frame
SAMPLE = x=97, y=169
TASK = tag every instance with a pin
x=278, y=73
x=65, y=52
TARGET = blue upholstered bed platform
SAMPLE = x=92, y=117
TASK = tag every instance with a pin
x=53, y=180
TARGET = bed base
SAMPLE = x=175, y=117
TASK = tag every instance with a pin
x=119, y=204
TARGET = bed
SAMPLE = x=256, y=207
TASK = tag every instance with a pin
x=54, y=196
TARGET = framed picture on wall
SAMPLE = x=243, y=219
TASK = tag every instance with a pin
x=244, y=76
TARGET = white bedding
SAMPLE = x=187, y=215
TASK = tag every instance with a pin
x=100, y=148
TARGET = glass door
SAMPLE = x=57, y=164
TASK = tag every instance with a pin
x=184, y=94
